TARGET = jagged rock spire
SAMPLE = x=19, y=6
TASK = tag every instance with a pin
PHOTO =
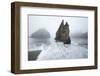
x=61, y=25
x=66, y=24
x=62, y=33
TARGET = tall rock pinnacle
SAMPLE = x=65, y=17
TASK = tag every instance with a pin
x=62, y=33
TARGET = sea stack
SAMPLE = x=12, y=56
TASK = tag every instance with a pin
x=62, y=33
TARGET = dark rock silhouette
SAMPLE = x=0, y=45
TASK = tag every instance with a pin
x=41, y=34
x=62, y=33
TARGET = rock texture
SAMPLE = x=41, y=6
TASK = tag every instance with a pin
x=62, y=33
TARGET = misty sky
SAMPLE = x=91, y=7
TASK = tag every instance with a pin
x=51, y=23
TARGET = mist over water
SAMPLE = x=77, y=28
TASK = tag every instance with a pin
x=41, y=38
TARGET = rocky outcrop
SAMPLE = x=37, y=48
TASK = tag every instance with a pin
x=62, y=33
x=41, y=34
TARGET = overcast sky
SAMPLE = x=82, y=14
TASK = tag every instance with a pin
x=51, y=24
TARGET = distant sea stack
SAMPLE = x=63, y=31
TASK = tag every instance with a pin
x=62, y=33
x=40, y=34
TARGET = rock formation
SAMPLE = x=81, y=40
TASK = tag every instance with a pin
x=41, y=34
x=62, y=33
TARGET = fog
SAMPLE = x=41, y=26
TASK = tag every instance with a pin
x=77, y=25
x=42, y=32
